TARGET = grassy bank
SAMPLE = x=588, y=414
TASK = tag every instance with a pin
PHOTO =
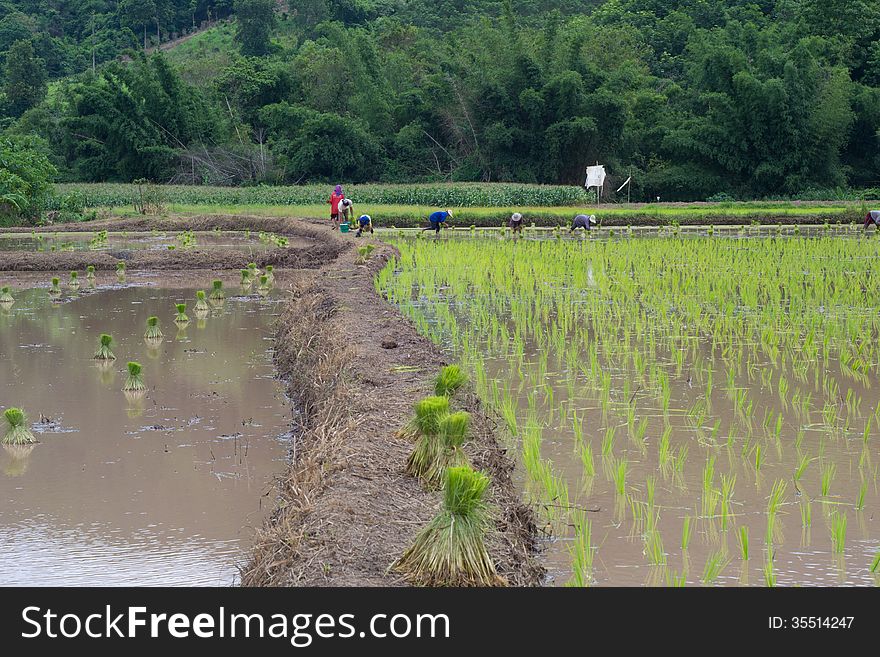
x=409, y=216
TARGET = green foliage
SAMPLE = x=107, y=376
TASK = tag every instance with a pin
x=450, y=379
x=255, y=20
x=25, y=176
x=25, y=78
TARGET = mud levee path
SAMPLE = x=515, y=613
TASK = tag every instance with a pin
x=355, y=367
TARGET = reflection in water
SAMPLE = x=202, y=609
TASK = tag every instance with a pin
x=155, y=488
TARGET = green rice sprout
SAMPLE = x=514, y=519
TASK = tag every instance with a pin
x=55, y=290
x=217, y=293
x=6, y=295
x=264, y=282
x=769, y=573
x=586, y=453
x=252, y=269
x=428, y=414
x=802, y=467
x=104, y=351
x=201, y=305
x=582, y=551
x=451, y=550
x=120, y=267
x=181, y=317
x=450, y=379
x=875, y=564
x=806, y=513
x=245, y=278
x=715, y=565
x=90, y=272
x=74, y=280
x=17, y=431
x=687, y=532
x=619, y=474
x=860, y=502
x=153, y=331
x=135, y=380
x=828, y=473
x=838, y=532
x=270, y=272
x=743, y=541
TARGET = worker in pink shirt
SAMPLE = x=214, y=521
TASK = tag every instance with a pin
x=335, y=198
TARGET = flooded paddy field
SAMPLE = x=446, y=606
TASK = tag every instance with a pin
x=162, y=487
x=701, y=411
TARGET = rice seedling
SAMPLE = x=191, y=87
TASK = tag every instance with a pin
x=875, y=563
x=153, y=332
x=217, y=293
x=860, y=502
x=201, y=305
x=768, y=571
x=428, y=414
x=801, y=467
x=264, y=287
x=135, y=380
x=619, y=475
x=253, y=272
x=55, y=289
x=449, y=380
x=743, y=542
x=608, y=442
x=270, y=274
x=90, y=273
x=806, y=513
x=17, y=430
x=828, y=473
x=246, y=280
x=838, y=532
x=582, y=551
x=687, y=533
x=104, y=352
x=6, y=296
x=181, y=318
x=74, y=280
x=586, y=453
x=715, y=565
x=451, y=550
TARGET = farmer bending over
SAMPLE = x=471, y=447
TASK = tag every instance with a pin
x=364, y=223
x=583, y=221
x=873, y=217
x=438, y=219
x=516, y=222
x=346, y=210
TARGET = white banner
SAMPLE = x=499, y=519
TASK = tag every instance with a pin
x=595, y=176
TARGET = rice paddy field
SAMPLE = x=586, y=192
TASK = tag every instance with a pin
x=701, y=411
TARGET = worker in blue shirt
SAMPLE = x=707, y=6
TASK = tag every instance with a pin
x=438, y=219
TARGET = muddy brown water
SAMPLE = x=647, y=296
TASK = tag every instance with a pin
x=162, y=490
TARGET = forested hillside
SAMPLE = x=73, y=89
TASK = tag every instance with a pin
x=696, y=99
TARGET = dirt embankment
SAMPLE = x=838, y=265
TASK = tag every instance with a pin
x=347, y=510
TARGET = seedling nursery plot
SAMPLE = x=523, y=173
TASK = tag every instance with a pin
x=700, y=411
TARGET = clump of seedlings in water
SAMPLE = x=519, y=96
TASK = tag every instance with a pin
x=135, y=380
x=104, y=352
x=450, y=379
x=264, y=284
x=201, y=304
x=17, y=431
x=217, y=293
x=181, y=317
x=245, y=278
x=270, y=272
x=6, y=295
x=55, y=290
x=451, y=550
x=253, y=271
x=120, y=272
x=74, y=280
x=153, y=331
x=90, y=273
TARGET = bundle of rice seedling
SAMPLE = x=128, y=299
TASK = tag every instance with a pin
x=450, y=379
x=181, y=317
x=245, y=278
x=453, y=432
x=55, y=290
x=153, y=331
x=135, y=381
x=451, y=550
x=5, y=296
x=253, y=271
x=264, y=283
x=90, y=272
x=201, y=304
x=104, y=352
x=17, y=431
x=74, y=280
x=426, y=421
x=270, y=272
x=217, y=293
x=120, y=272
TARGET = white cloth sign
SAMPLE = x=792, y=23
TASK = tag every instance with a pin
x=595, y=176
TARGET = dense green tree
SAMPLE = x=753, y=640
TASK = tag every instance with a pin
x=25, y=78
x=25, y=177
x=255, y=20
